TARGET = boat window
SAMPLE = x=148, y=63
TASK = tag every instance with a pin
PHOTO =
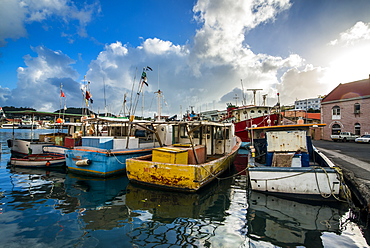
x=336, y=113
x=196, y=134
x=259, y=111
x=183, y=133
x=219, y=134
x=252, y=111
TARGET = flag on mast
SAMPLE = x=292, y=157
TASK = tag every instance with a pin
x=62, y=94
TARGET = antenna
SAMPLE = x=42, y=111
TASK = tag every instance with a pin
x=254, y=95
x=236, y=98
x=105, y=99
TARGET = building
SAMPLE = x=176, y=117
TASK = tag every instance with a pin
x=294, y=115
x=345, y=108
x=306, y=104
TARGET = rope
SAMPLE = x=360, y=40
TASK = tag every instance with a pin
x=112, y=154
x=224, y=178
x=343, y=187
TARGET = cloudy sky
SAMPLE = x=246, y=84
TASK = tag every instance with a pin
x=204, y=53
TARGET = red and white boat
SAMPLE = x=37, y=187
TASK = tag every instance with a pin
x=248, y=116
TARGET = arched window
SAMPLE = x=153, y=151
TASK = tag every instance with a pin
x=357, y=108
x=335, y=113
x=335, y=129
x=358, y=129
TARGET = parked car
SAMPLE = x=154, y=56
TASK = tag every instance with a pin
x=363, y=139
x=344, y=137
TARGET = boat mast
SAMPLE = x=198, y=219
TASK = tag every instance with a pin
x=244, y=102
x=159, y=92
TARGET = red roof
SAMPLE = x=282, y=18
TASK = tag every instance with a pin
x=355, y=89
x=315, y=116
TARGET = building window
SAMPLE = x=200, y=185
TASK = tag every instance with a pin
x=335, y=113
x=357, y=108
x=358, y=129
x=335, y=129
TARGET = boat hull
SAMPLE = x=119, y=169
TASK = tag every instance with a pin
x=21, y=148
x=298, y=181
x=100, y=162
x=39, y=161
x=178, y=177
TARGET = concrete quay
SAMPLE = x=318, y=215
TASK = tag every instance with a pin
x=355, y=167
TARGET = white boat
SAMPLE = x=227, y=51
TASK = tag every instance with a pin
x=10, y=126
x=284, y=161
x=39, y=160
x=24, y=147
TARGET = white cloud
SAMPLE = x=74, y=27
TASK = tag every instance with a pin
x=4, y=94
x=16, y=14
x=302, y=84
x=39, y=82
x=359, y=32
x=205, y=73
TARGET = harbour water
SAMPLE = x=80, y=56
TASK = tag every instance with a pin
x=54, y=208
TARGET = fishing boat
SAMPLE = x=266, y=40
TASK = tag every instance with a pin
x=105, y=156
x=200, y=152
x=10, y=125
x=283, y=161
x=246, y=116
x=35, y=145
x=39, y=161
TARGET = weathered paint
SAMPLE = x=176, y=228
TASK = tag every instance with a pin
x=182, y=177
x=104, y=163
x=286, y=141
x=304, y=180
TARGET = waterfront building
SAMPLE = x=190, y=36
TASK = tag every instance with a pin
x=345, y=108
x=307, y=104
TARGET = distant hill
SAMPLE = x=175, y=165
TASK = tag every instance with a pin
x=12, y=108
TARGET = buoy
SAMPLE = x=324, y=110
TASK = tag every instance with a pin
x=83, y=162
x=60, y=120
x=47, y=163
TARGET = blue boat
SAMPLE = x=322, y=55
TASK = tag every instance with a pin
x=105, y=156
x=98, y=162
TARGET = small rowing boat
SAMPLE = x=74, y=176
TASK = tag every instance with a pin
x=39, y=160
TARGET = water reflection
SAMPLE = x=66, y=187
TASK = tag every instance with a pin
x=100, y=202
x=286, y=223
x=177, y=218
x=52, y=208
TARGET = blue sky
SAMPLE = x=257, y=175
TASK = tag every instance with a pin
x=200, y=51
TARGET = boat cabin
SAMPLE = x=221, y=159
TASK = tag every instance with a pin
x=218, y=138
x=283, y=145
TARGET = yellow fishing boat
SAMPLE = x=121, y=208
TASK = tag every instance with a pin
x=201, y=151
